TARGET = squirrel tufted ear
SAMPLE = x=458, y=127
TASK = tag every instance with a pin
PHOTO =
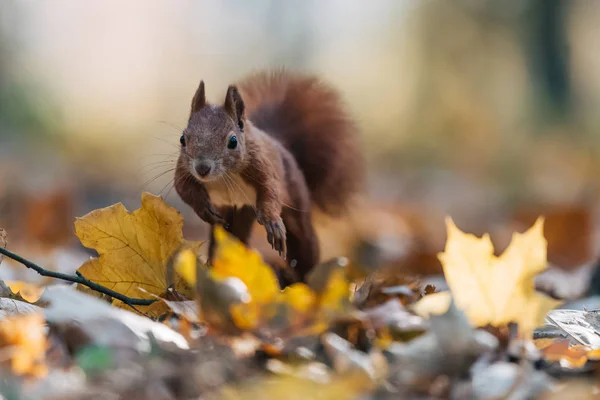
x=199, y=99
x=234, y=104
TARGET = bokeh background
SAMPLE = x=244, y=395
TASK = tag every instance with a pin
x=483, y=110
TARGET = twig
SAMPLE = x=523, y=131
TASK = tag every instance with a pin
x=78, y=278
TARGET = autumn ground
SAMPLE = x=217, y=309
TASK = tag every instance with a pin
x=146, y=319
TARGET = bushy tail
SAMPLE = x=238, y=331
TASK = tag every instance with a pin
x=308, y=118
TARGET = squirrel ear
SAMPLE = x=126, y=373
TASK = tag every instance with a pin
x=199, y=99
x=234, y=104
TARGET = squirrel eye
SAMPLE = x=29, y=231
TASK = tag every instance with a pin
x=182, y=140
x=232, y=144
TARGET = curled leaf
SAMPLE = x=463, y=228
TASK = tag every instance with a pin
x=299, y=307
x=28, y=292
x=233, y=259
x=216, y=296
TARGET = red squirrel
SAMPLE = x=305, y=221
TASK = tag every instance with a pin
x=280, y=144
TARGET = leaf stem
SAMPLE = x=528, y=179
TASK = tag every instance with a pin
x=77, y=278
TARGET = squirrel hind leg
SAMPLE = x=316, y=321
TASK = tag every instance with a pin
x=239, y=223
x=302, y=243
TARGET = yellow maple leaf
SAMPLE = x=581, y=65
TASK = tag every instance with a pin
x=134, y=248
x=298, y=301
x=28, y=291
x=489, y=289
x=232, y=258
x=23, y=340
x=299, y=297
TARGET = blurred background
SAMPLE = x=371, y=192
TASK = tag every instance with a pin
x=483, y=110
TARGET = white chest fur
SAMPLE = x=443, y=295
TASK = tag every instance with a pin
x=231, y=190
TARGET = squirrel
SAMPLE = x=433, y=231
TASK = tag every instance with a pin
x=280, y=144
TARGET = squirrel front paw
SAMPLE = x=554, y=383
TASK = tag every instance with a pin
x=276, y=235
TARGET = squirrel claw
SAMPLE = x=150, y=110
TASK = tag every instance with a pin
x=276, y=235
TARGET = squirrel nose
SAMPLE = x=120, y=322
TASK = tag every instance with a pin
x=203, y=168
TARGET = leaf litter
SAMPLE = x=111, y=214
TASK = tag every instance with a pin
x=229, y=331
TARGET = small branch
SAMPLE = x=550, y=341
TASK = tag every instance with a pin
x=78, y=278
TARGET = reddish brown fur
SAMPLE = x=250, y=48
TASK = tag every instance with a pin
x=296, y=146
x=308, y=118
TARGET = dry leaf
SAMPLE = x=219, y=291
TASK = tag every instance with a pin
x=28, y=292
x=299, y=296
x=489, y=289
x=215, y=296
x=10, y=307
x=566, y=354
x=24, y=339
x=298, y=304
x=232, y=258
x=68, y=306
x=134, y=247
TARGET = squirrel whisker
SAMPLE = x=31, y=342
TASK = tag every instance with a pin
x=172, y=125
x=241, y=190
x=156, y=177
x=166, y=142
x=155, y=165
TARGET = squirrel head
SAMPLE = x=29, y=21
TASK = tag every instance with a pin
x=213, y=142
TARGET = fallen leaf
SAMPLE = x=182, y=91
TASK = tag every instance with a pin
x=10, y=307
x=23, y=337
x=266, y=306
x=215, y=296
x=28, y=292
x=393, y=319
x=187, y=309
x=347, y=360
x=489, y=289
x=504, y=380
x=134, y=247
x=582, y=326
x=566, y=354
x=449, y=348
x=300, y=297
x=91, y=312
x=232, y=258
